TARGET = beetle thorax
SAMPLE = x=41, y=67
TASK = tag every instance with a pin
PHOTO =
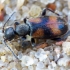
x=22, y=29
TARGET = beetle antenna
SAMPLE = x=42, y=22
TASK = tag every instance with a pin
x=10, y=49
x=65, y=18
x=7, y=21
x=53, y=11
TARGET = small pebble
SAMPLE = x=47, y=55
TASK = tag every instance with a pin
x=35, y=11
x=20, y=3
x=57, y=50
x=41, y=54
x=66, y=47
x=64, y=62
x=68, y=3
x=26, y=61
x=47, y=1
x=51, y=6
x=30, y=68
x=3, y=58
x=40, y=65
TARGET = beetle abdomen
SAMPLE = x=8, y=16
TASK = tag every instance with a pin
x=48, y=27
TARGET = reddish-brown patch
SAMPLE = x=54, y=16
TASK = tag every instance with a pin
x=1, y=17
x=39, y=33
x=51, y=6
x=35, y=20
x=2, y=12
x=42, y=45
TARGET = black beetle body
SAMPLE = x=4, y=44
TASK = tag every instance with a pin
x=45, y=27
x=48, y=27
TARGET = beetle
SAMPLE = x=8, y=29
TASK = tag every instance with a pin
x=44, y=27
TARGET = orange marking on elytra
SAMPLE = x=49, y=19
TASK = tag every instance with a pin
x=39, y=33
x=53, y=25
x=35, y=20
x=56, y=31
x=53, y=18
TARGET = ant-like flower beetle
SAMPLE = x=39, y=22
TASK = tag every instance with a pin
x=44, y=27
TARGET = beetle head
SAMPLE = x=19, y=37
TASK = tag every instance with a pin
x=9, y=33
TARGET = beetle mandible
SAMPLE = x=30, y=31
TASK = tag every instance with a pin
x=44, y=27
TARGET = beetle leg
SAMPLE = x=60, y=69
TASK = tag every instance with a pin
x=24, y=43
x=36, y=41
x=33, y=42
x=42, y=45
x=53, y=11
x=58, y=41
x=44, y=12
x=25, y=19
x=65, y=18
x=10, y=49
